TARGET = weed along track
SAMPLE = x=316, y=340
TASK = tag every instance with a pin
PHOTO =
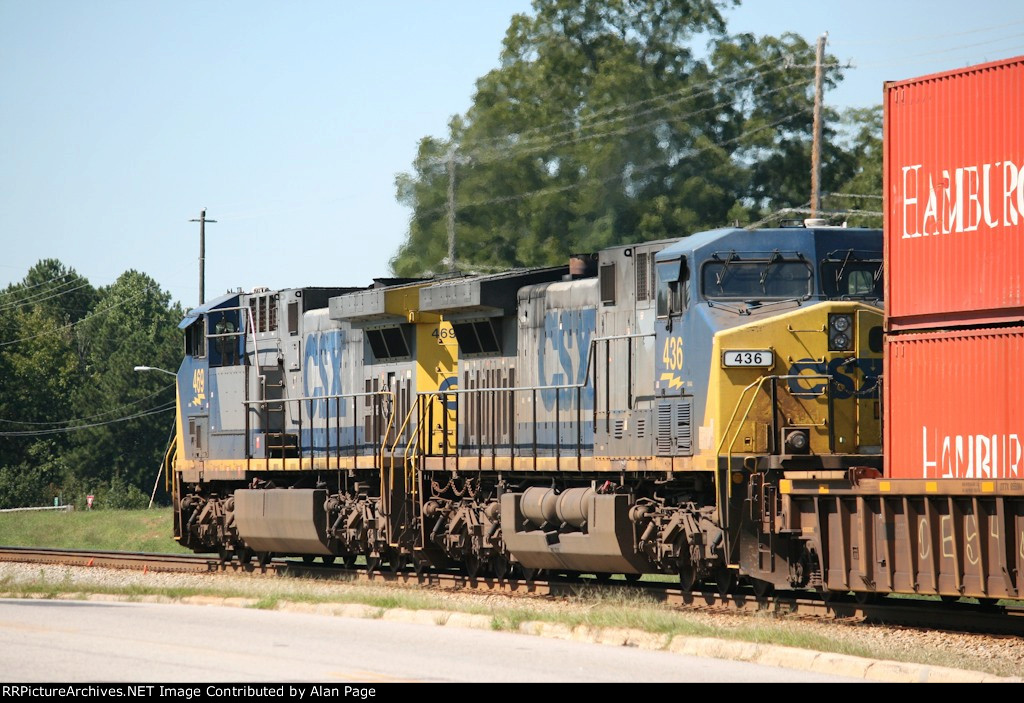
x=912, y=613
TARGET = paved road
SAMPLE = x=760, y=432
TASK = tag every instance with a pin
x=71, y=641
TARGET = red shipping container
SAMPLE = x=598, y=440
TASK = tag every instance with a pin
x=953, y=404
x=954, y=197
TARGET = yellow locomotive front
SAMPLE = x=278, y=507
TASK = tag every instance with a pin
x=798, y=390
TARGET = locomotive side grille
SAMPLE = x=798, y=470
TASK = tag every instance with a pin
x=617, y=429
x=642, y=275
x=684, y=436
x=675, y=435
x=641, y=428
x=664, y=437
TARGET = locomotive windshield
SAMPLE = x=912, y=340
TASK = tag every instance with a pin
x=735, y=276
x=847, y=275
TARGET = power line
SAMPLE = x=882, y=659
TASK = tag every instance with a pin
x=632, y=170
x=778, y=214
x=78, y=322
x=18, y=288
x=91, y=417
x=689, y=90
x=923, y=37
x=516, y=151
x=35, y=300
x=909, y=57
x=855, y=195
x=63, y=430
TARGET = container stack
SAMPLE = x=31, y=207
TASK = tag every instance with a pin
x=954, y=274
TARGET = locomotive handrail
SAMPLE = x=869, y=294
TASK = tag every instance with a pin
x=252, y=330
x=564, y=386
x=339, y=397
x=588, y=381
x=398, y=438
x=758, y=382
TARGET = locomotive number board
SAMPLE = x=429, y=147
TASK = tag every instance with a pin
x=748, y=357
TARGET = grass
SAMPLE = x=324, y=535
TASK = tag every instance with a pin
x=108, y=530
x=593, y=607
x=596, y=609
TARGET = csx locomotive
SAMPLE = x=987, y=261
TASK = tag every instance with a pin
x=623, y=414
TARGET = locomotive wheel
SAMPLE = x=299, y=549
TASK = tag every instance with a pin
x=602, y=577
x=499, y=566
x=327, y=559
x=308, y=558
x=472, y=562
x=762, y=589
x=396, y=561
x=725, y=580
x=349, y=560
x=632, y=578
x=687, y=574
x=245, y=558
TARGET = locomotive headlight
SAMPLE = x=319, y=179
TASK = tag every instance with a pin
x=797, y=441
x=839, y=332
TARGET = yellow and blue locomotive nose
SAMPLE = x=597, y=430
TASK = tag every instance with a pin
x=799, y=384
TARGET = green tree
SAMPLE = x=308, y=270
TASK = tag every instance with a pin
x=39, y=371
x=133, y=324
x=74, y=417
x=602, y=126
x=861, y=192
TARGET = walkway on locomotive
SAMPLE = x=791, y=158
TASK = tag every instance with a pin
x=763, y=334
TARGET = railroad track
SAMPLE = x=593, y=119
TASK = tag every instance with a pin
x=908, y=612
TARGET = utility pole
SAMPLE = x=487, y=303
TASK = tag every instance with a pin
x=202, y=254
x=451, y=208
x=451, y=160
x=819, y=80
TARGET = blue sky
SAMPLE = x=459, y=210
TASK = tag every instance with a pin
x=120, y=120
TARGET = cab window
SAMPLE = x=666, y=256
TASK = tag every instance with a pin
x=673, y=287
x=849, y=276
x=195, y=339
x=732, y=276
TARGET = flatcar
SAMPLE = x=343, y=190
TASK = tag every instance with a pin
x=619, y=415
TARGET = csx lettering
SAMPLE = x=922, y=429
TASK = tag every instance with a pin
x=322, y=373
x=565, y=347
x=857, y=377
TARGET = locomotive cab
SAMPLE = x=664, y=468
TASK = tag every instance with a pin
x=775, y=353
